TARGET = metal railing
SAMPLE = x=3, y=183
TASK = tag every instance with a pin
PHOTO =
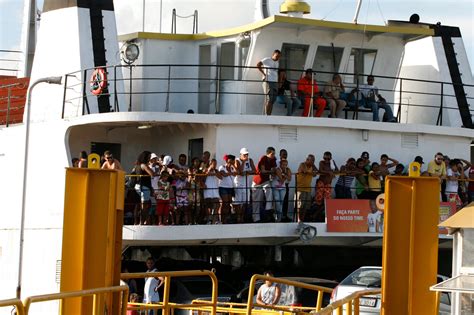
x=319, y=290
x=98, y=295
x=166, y=306
x=213, y=306
x=165, y=88
x=19, y=308
x=350, y=303
x=9, y=98
x=287, y=208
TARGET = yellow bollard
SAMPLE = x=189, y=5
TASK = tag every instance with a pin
x=92, y=235
x=414, y=169
x=93, y=161
x=410, y=245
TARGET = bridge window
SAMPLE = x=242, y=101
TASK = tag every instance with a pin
x=293, y=56
x=327, y=62
x=361, y=62
x=244, y=45
x=227, y=59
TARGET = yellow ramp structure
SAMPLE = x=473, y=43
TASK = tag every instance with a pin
x=410, y=245
x=92, y=236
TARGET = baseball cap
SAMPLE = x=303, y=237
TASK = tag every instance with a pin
x=244, y=151
x=167, y=160
x=419, y=159
x=153, y=156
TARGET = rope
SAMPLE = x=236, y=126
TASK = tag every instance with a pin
x=380, y=11
x=184, y=16
x=331, y=11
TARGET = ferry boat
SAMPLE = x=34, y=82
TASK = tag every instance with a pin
x=202, y=92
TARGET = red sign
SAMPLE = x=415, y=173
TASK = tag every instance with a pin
x=347, y=215
x=355, y=215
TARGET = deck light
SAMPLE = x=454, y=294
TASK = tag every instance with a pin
x=49, y=80
x=142, y=127
x=130, y=53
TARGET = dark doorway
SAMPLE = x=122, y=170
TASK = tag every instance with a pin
x=101, y=147
x=472, y=152
x=195, y=148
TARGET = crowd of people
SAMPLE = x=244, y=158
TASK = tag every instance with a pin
x=307, y=95
x=241, y=190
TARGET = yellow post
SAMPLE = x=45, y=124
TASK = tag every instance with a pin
x=410, y=245
x=414, y=169
x=92, y=234
x=93, y=161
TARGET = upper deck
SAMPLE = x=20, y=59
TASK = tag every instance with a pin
x=215, y=73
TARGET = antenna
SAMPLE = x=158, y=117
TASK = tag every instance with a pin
x=356, y=16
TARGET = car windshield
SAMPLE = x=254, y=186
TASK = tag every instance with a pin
x=364, y=277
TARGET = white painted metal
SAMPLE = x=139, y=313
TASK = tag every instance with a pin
x=64, y=46
x=28, y=38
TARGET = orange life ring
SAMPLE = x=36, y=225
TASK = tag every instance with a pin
x=98, y=81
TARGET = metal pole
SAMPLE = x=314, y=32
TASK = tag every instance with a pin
x=441, y=106
x=8, y=105
x=116, y=106
x=130, y=91
x=84, y=95
x=64, y=96
x=143, y=21
x=399, y=114
x=311, y=102
x=161, y=13
x=356, y=15
x=49, y=80
x=167, y=108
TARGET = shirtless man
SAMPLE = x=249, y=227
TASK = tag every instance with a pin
x=326, y=176
x=385, y=166
x=110, y=162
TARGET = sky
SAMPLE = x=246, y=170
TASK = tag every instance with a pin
x=449, y=12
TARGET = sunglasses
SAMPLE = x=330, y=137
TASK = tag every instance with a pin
x=108, y=158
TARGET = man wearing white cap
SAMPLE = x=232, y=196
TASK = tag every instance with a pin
x=155, y=167
x=245, y=168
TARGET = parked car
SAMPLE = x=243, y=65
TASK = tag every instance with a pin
x=366, y=278
x=295, y=296
x=184, y=290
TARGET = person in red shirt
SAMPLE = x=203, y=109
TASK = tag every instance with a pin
x=261, y=186
x=308, y=87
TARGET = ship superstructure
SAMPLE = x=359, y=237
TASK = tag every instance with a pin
x=190, y=93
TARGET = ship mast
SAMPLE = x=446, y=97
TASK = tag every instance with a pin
x=28, y=38
x=356, y=15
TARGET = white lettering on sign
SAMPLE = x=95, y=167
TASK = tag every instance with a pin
x=348, y=212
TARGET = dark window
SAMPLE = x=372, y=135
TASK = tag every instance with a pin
x=327, y=62
x=101, y=147
x=293, y=56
